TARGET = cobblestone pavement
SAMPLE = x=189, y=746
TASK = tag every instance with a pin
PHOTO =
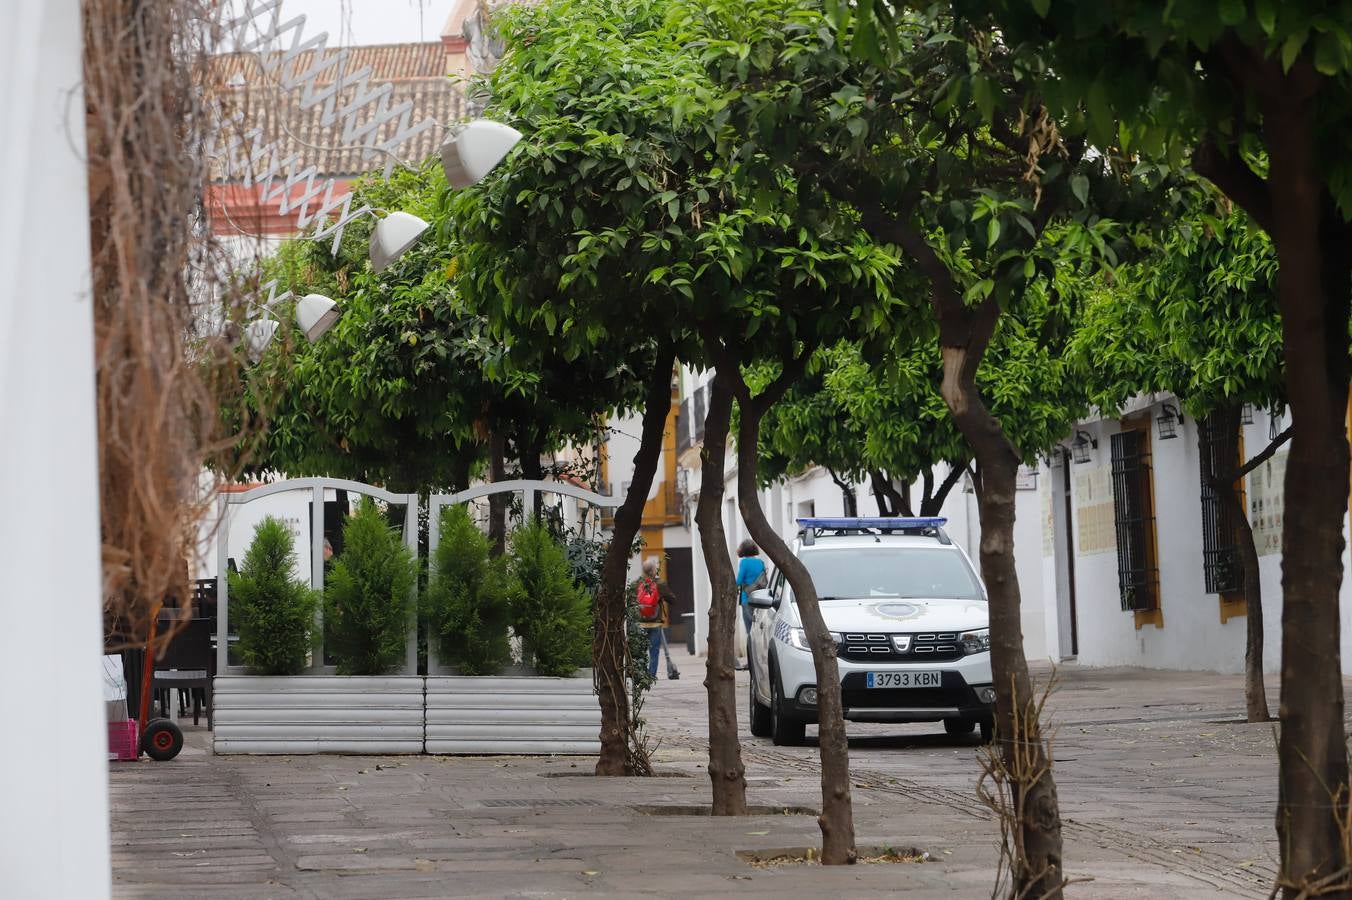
x=1164, y=792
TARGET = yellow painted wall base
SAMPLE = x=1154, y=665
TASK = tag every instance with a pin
x=1149, y=617
x=1232, y=607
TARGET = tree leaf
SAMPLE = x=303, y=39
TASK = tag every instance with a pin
x=1291, y=50
x=1079, y=186
x=1232, y=12
x=1266, y=14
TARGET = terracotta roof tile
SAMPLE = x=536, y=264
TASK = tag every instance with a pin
x=388, y=62
x=303, y=134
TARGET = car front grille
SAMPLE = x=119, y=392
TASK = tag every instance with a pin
x=928, y=646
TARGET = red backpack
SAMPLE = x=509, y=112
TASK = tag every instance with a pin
x=649, y=600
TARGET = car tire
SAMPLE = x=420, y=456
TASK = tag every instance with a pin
x=784, y=731
x=760, y=713
x=959, y=727
x=987, y=732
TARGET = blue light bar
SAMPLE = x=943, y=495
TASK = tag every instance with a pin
x=893, y=522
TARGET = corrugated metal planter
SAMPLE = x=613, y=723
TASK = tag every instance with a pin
x=512, y=715
x=319, y=714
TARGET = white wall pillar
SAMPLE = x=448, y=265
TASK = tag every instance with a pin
x=53, y=769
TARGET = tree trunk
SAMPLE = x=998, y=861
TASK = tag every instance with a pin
x=727, y=774
x=463, y=467
x=933, y=504
x=1225, y=483
x=891, y=502
x=837, y=818
x=497, y=503
x=532, y=469
x=1036, y=866
x=1255, y=692
x=847, y=496
x=609, y=635
x=1313, y=776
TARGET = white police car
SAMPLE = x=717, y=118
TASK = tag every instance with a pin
x=908, y=613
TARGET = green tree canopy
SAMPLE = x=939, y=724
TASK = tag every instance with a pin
x=405, y=387
x=1197, y=319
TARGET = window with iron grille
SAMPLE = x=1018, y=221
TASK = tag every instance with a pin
x=1218, y=446
x=1134, y=515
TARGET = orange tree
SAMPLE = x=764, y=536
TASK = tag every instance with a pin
x=941, y=143
x=1257, y=92
x=407, y=387
x=621, y=215
x=1199, y=319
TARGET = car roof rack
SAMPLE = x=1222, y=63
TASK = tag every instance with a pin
x=929, y=526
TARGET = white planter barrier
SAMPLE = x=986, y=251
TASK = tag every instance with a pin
x=303, y=714
x=521, y=716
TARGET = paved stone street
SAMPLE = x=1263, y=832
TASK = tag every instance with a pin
x=1164, y=792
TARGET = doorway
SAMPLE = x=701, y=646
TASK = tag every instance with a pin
x=1064, y=554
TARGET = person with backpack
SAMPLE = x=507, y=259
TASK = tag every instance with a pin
x=750, y=577
x=654, y=612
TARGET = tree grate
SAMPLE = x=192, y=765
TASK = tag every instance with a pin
x=503, y=802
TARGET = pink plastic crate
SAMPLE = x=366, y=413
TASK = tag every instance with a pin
x=123, y=744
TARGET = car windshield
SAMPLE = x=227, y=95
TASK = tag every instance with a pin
x=891, y=573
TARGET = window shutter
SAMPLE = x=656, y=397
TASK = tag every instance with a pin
x=1218, y=446
x=1134, y=517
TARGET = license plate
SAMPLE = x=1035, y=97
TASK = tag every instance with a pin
x=904, y=679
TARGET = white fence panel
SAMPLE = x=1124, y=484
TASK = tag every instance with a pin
x=473, y=715
x=319, y=714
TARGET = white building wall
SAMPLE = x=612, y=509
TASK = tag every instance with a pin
x=1192, y=636
x=53, y=768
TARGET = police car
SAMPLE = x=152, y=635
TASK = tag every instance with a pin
x=908, y=613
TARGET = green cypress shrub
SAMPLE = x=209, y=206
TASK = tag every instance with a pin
x=469, y=598
x=368, y=596
x=552, y=614
x=273, y=612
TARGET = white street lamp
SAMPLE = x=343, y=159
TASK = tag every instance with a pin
x=467, y=155
x=315, y=314
x=392, y=236
x=257, y=335
x=471, y=152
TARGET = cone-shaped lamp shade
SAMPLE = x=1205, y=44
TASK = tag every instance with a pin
x=392, y=236
x=473, y=151
x=315, y=314
x=257, y=335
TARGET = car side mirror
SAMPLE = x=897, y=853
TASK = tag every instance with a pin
x=762, y=599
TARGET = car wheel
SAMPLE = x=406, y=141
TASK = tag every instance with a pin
x=958, y=727
x=784, y=731
x=987, y=732
x=760, y=713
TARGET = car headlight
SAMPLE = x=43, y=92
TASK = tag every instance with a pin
x=978, y=641
x=798, y=639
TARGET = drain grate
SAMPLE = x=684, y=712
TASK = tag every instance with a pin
x=503, y=802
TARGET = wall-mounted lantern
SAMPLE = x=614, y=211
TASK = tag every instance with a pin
x=1168, y=421
x=1080, y=447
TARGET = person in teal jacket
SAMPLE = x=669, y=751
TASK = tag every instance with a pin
x=750, y=577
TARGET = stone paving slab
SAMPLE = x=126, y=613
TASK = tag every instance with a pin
x=1159, y=801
